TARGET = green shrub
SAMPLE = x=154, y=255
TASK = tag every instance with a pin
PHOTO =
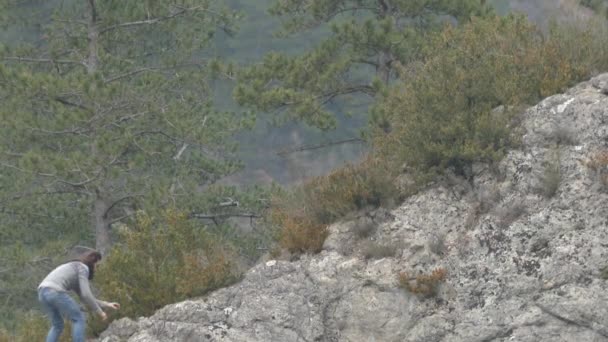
x=163, y=260
x=551, y=178
x=33, y=326
x=375, y=250
x=442, y=116
x=600, y=6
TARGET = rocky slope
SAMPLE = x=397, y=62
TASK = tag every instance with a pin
x=525, y=249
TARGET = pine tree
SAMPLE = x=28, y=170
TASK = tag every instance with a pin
x=108, y=111
x=368, y=39
x=599, y=6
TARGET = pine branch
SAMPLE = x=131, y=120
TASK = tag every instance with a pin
x=177, y=141
x=140, y=70
x=330, y=95
x=80, y=184
x=148, y=21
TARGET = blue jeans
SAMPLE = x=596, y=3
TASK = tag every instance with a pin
x=57, y=305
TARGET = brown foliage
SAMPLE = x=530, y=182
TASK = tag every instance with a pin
x=597, y=163
x=350, y=188
x=423, y=284
x=299, y=234
x=303, y=215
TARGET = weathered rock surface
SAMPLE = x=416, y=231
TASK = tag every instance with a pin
x=524, y=255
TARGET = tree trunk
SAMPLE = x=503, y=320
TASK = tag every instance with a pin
x=385, y=58
x=100, y=207
x=93, y=38
x=101, y=223
x=384, y=67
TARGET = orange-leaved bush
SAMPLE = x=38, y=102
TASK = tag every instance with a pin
x=298, y=232
x=304, y=213
x=425, y=285
x=370, y=183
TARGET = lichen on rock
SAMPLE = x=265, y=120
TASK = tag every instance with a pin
x=526, y=268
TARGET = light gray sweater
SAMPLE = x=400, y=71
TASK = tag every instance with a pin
x=74, y=276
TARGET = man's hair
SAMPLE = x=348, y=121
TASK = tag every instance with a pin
x=90, y=258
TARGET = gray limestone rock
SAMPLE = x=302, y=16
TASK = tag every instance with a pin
x=528, y=267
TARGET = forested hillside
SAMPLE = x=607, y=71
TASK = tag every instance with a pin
x=157, y=131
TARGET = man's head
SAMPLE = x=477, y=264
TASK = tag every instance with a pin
x=90, y=258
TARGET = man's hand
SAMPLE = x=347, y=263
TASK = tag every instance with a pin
x=114, y=306
x=103, y=316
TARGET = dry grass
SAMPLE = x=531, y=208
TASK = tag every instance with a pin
x=484, y=199
x=510, y=212
x=375, y=250
x=551, y=178
x=597, y=163
x=364, y=227
x=348, y=189
x=563, y=135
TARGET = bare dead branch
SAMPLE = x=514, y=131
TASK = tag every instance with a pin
x=223, y=216
x=71, y=104
x=229, y=202
x=118, y=219
x=80, y=184
x=181, y=150
x=117, y=122
x=14, y=167
x=129, y=74
x=115, y=203
x=330, y=95
x=74, y=131
x=148, y=21
x=44, y=193
x=319, y=146
x=44, y=60
x=71, y=21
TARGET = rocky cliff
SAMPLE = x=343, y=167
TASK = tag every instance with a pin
x=524, y=248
